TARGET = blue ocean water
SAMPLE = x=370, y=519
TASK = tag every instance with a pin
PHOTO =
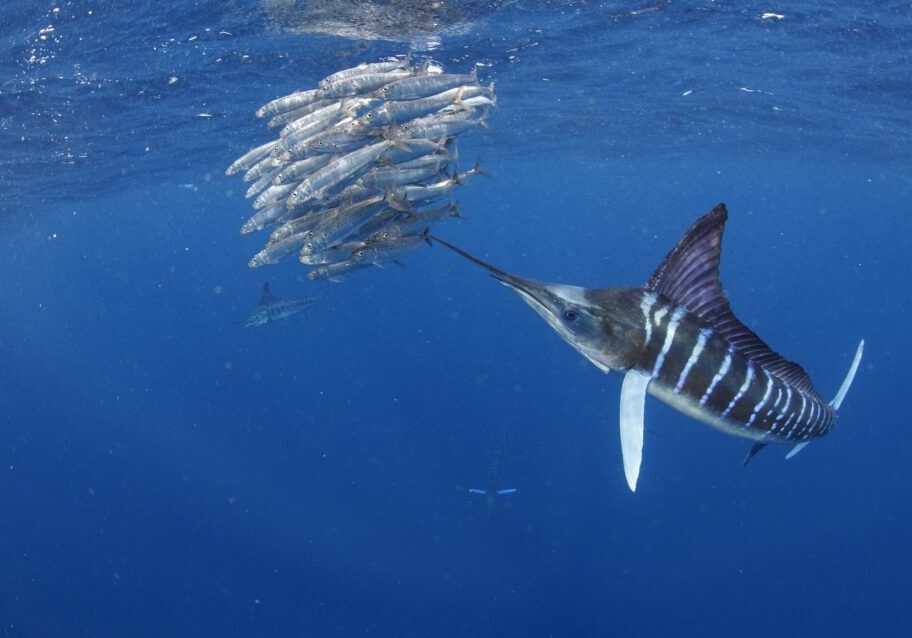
x=166, y=472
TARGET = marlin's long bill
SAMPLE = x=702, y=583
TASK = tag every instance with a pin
x=677, y=338
x=501, y=275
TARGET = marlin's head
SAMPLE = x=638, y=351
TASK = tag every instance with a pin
x=258, y=317
x=604, y=325
x=599, y=324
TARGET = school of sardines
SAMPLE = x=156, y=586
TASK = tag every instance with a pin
x=364, y=165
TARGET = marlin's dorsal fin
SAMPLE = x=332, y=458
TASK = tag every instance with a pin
x=267, y=297
x=689, y=276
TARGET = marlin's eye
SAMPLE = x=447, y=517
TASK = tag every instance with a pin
x=570, y=314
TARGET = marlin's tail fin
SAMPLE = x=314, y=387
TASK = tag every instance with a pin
x=850, y=376
x=843, y=389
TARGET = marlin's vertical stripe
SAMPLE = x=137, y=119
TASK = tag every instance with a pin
x=785, y=411
x=723, y=370
x=775, y=403
x=669, y=339
x=646, y=305
x=814, y=416
x=792, y=420
x=692, y=359
x=769, y=389
x=800, y=419
x=744, y=386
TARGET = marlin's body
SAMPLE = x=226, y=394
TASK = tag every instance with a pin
x=677, y=339
x=696, y=370
x=272, y=308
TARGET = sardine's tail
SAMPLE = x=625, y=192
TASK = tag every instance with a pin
x=477, y=169
x=393, y=135
x=491, y=95
x=396, y=202
x=454, y=211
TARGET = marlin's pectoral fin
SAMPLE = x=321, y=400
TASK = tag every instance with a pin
x=508, y=491
x=472, y=490
x=633, y=403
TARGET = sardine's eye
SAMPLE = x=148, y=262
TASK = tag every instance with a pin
x=570, y=314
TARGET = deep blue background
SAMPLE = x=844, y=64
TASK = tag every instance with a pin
x=166, y=473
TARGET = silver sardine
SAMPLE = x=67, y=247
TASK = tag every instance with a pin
x=288, y=103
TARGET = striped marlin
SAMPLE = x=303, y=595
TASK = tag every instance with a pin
x=677, y=338
x=271, y=308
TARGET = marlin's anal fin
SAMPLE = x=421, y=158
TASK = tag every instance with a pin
x=755, y=448
x=633, y=405
x=796, y=449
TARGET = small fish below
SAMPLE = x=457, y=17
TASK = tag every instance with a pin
x=493, y=489
x=272, y=309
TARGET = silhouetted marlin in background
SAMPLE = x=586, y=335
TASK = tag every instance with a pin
x=271, y=308
x=494, y=490
x=677, y=338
